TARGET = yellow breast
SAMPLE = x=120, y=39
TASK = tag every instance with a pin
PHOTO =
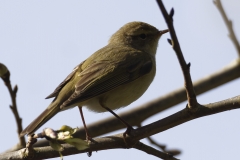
x=122, y=95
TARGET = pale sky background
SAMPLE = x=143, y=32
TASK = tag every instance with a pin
x=42, y=41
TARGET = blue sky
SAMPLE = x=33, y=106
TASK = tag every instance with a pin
x=42, y=41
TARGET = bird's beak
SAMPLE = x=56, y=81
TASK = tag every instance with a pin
x=163, y=31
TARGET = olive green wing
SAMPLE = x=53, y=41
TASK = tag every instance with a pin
x=103, y=76
x=64, y=82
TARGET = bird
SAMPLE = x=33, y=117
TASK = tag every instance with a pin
x=112, y=77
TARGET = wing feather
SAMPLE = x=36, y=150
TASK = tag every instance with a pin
x=104, y=76
x=64, y=82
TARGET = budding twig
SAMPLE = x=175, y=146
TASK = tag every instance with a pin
x=191, y=96
x=5, y=76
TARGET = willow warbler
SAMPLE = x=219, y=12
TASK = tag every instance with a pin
x=111, y=78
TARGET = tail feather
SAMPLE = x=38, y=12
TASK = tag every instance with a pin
x=40, y=120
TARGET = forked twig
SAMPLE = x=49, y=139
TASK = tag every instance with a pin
x=5, y=75
x=191, y=96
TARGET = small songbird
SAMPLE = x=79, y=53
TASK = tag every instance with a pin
x=111, y=78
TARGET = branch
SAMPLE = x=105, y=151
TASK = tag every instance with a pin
x=153, y=151
x=138, y=114
x=116, y=141
x=173, y=152
x=185, y=115
x=5, y=75
x=162, y=147
x=228, y=23
x=104, y=143
x=191, y=96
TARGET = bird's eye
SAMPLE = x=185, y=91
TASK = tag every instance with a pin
x=143, y=36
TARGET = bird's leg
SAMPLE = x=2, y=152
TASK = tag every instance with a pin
x=88, y=137
x=129, y=127
x=123, y=121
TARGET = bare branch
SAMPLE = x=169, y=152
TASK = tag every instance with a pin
x=153, y=151
x=191, y=96
x=162, y=147
x=116, y=141
x=13, y=93
x=111, y=142
x=185, y=116
x=173, y=152
x=228, y=23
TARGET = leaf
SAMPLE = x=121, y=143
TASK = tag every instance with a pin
x=56, y=146
x=65, y=128
x=61, y=156
x=78, y=143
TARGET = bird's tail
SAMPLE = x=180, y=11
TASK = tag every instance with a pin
x=41, y=119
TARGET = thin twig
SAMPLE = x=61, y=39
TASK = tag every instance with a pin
x=13, y=93
x=152, y=151
x=173, y=152
x=160, y=146
x=191, y=96
x=14, y=109
x=228, y=23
